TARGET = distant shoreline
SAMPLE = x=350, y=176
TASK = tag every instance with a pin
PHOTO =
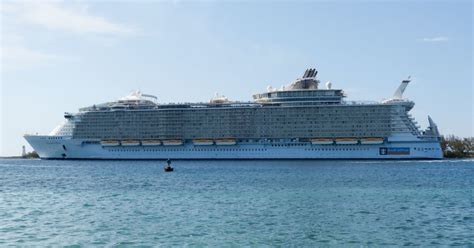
x=16, y=157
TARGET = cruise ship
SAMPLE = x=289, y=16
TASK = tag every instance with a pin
x=302, y=120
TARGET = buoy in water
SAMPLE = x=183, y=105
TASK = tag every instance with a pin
x=168, y=167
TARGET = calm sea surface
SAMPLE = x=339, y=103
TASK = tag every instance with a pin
x=237, y=203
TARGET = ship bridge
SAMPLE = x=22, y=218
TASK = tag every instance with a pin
x=302, y=91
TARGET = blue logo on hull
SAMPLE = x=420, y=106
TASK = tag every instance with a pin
x=394, y=151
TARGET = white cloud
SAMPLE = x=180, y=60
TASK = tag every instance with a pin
x=17, y=57
x=436, y=39
x=18, y=47
x=59, y=16
x=15, y=54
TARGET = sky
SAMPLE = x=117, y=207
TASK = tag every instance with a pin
x=59, y=56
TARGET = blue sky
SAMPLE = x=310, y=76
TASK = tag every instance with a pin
x=59, y=56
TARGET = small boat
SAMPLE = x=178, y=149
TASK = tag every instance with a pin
x=130, y=143
x=172, y=142
x=110, y=143
x=225, y=142
x=372, y=141
x=346, y=141
x=203, y=142
x=151, y=142
x=322, y=141
x=168, y=167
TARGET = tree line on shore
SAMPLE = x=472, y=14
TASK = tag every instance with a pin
x=32, y=154
x=456, y=147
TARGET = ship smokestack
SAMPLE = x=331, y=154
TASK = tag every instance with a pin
x=306, y=73
x=310, y=73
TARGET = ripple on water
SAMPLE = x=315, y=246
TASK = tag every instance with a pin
x=236, y=203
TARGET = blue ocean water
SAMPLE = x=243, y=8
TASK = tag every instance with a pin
x=237, y=203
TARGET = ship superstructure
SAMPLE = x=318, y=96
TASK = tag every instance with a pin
x=299, y=121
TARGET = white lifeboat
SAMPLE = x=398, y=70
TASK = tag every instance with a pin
x=151, y=142
x=203, y=142
x=172, y=142
x=368, y=141
x=322, y=141
x=110, y=143
x=346, y=141
x=130, y=143
x=225, y=142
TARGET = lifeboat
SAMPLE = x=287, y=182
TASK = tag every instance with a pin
x=172, y=142
x=346, y=141
x=225, y=142
x=203, y=142
x=110, y=143
x=130, y=143
x=151, y=142
x=371, y=141
x=322, y=141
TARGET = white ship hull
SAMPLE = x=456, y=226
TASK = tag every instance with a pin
x=57, y=147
